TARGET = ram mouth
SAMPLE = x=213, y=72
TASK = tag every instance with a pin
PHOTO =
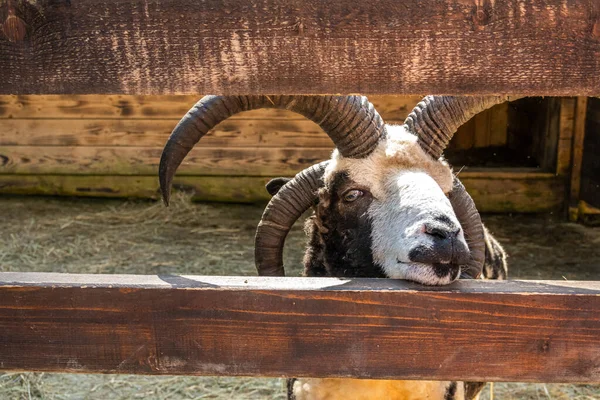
x=444, y=269
x=436, y=274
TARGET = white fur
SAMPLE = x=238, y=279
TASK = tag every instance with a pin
x=408, y=186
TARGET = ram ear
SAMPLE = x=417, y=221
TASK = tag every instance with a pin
x=275, y=184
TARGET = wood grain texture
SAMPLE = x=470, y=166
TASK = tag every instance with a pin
x=538, y=47
x=565, y=136
x=264, y=132
x=391, y=108
x=73, y=160
x=154, y=133
x=205, y=188
x=518, y=193
x=188, y=325
x=577, y=152
x=492, y=191
x=488, y=128
x=546, y=142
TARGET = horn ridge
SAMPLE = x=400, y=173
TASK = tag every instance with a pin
x=283, y=210
x=470, y=220
x=334, y=114
x=436, y=118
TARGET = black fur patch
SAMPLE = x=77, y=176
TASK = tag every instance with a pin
x=450, y=392
x=444, y=270
x=340, y=241
x=275, y=184
x=290, y=389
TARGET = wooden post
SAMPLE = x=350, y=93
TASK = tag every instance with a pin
x=577, y=157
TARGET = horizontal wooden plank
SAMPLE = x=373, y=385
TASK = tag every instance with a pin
x=154, y=133
x=391, y=108
x=541, y=331
x=257, y=161
x=526, y=194
x=264, y=132
x=541, y=47
x=205, y=188
x=492, y=191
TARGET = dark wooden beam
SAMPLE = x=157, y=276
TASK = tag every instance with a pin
x=577, y=157
x=476, y=330
x=533, y=47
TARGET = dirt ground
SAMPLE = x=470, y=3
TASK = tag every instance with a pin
x=116, y=236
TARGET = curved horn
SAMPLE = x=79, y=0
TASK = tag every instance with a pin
x=350, y=121
x=468, y=216
x=300, y=193
x=292, y=200
x=436, y=118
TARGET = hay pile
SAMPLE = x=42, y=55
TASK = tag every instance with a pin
x=115, y=236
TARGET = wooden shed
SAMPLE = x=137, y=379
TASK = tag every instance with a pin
x=515, y=157
x=109, y=146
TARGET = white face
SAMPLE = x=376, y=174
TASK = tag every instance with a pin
x=415, y=233
x=414, y=203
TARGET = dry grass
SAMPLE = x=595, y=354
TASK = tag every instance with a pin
x=100, y=236
x=131, y=237
x=18, y=386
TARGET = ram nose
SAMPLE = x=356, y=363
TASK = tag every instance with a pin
x=444, y=244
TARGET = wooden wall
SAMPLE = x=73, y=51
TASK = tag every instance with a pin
x=590, y=171
x=91, y=145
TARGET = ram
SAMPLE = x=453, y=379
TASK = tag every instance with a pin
x=386, y=205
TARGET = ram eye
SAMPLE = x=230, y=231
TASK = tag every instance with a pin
x=352, y=195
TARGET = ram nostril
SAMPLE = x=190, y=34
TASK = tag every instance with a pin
x=440, y=232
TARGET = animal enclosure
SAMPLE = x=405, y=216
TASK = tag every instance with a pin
x=88, y=236
x=243, y=326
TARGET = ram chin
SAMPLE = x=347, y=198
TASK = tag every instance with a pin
x=426, y=274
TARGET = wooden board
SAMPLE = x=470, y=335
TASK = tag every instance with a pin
x=274, y=132
x=515, y=192
x=540, y=331
x=546, y=140
x=493, y=123
x=391, y=108
x=205, y=188
x=73, y=160
x=565, y=138
x=154, y=133
x=492, y=191
x=488, y=128
x=577, y=156
x=541, y=47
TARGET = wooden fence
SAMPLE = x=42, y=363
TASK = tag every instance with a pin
x=529, y=47
x=532, y=331
x=369, y=328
